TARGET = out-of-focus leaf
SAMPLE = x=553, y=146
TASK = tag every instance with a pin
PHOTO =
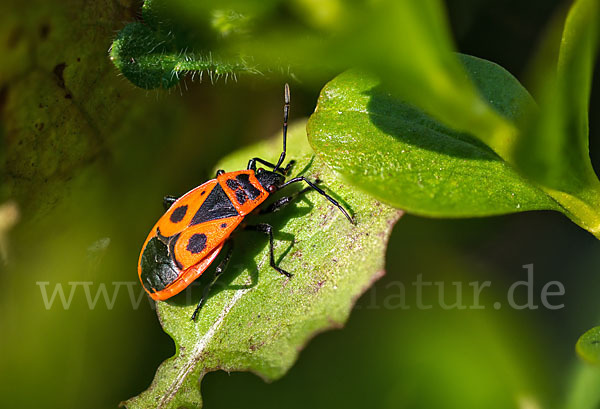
x=61, y=102
x=407, y=43
x=554, y=149
x=258, y=320
x=9, y=216
x=588, y=346
x=404, y=157
x=584, y=392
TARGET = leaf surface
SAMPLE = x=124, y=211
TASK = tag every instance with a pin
x=588, y=346
x=402, y=156
x=257, y=320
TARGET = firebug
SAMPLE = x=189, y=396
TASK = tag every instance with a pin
x=196, y=226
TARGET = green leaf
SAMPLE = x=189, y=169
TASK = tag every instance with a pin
x=553, y=147
x=415, y=59
x=154, y=54
x=588, y=346
x=402, y=156
x=407, y=43
x=553, y=150
x=583, y=392
x=258, y=320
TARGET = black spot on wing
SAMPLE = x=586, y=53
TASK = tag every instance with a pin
x=223, y=225
x=197, y=243
x=251, y=191
x=178, y=214
x=216, y=206
x=158, y=270
x=233, y=184
x=241, y=196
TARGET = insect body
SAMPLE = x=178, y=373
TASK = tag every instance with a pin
x=195, y=228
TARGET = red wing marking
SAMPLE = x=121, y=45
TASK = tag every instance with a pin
x=180, y=214
x=196, y=242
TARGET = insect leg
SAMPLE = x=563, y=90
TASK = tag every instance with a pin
x=268, y=229
x=168, y=201
x=289, y=167
x=321, y=192
x=218, y=271
x=284, y=201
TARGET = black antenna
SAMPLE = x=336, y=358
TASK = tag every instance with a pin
x=286, y=111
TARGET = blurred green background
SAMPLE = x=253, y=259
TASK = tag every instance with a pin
x=87, y=157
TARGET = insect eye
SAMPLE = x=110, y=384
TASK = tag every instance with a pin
x=272, y=188
x=260, y=170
